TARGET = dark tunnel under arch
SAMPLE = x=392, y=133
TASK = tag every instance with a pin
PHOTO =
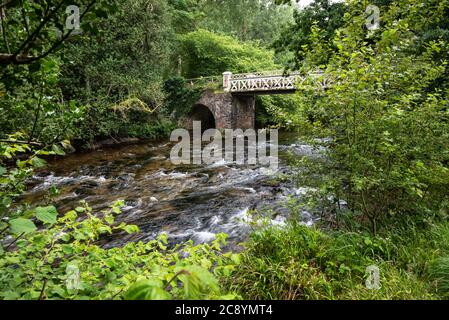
x=204, y=114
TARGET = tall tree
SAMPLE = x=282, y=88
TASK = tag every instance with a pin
x=295, y=39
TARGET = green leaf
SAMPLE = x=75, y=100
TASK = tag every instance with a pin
x=236, y=258
x=10, y=295
x=147, y=290
x=109, y=219
x=67, y=249
x=38, y=162
x=116, y=210
x=57, y=150
x=21, y=225
x=131, y=229
x=197, y=281
x=54, y=191
x=2, y=170
x=47, y=214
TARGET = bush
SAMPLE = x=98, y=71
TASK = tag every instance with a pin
x=209, y=54
x=386, y=122
x=180, y=97
x=63, y=260
x=130, y=118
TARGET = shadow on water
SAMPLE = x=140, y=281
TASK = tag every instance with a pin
x=185, y=201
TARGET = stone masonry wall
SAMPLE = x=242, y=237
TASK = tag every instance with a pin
x=230, y=111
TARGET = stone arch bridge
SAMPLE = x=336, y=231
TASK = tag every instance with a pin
x=234, y=108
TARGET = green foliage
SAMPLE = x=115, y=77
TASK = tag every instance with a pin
x=47, y=215
x=276, y=110
x=180, y=97
x=33, y=30
x=186, y=14
x=388, y=132
x=21, y=225
x=64, y=261
x=131, y=56
x=147, y=290
x=244, y=19
x=30, y=99
x=382, y=120
x=297, y=262
x=13, y=177
x=439, y=273
x=49, y=255
x=130, y=118
x=33, y=105
x=209, y=54
x=295, y=38
x=127, y=59
x=75, y=97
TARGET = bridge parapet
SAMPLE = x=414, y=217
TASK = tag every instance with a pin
x=260, y=82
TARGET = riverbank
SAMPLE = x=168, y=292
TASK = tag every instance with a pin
x=298, y=262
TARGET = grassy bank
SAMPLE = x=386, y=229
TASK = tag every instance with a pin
x=297, y=262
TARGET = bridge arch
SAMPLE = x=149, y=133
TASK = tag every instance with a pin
x=223, y=110
x=234, y=107
x=203, y=113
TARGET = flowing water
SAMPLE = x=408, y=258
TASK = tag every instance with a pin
x=184, y=201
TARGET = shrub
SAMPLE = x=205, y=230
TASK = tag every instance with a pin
x=62, y=259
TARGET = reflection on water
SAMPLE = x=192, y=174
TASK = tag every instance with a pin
x=185, y=201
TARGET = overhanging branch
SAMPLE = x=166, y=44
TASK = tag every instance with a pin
x=20, y=58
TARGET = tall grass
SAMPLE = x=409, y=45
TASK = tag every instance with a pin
x=439, y=274
x=297, y=262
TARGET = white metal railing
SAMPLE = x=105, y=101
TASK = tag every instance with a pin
x=263, y=81
x=260, y=74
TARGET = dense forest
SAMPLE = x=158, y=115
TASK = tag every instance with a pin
x=132, y=70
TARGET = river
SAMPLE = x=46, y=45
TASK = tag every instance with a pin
x=185, y=201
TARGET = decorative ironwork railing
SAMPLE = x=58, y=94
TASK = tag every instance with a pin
x=263, y=81
x=269, y=81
